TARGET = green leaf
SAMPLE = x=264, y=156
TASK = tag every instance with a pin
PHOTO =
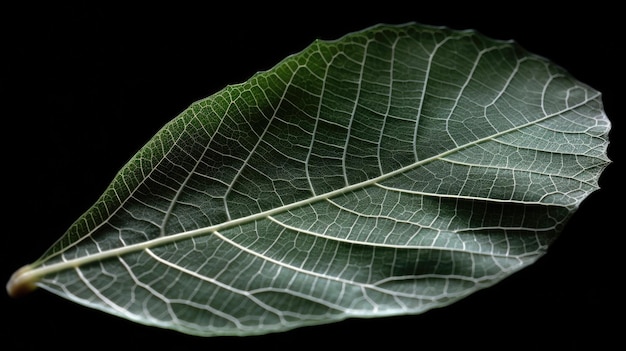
x=392, y=171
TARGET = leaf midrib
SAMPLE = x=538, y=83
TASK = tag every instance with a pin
x=37, y=272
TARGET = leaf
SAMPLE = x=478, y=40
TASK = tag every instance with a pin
x=395, y=170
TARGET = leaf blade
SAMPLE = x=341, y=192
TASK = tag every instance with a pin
x=376, y=201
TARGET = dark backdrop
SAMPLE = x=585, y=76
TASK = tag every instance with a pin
x=84, y=87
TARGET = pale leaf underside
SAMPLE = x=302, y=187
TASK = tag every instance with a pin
x=389, y=172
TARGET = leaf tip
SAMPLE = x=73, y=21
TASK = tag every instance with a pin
x=21, y=283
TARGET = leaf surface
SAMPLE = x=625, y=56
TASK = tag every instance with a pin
x=391, y=171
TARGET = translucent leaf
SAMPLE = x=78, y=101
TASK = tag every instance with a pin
x=392, y=171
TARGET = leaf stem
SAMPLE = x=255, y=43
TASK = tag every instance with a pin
x=22, y=282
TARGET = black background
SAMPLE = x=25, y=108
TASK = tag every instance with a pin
x=84, y=87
